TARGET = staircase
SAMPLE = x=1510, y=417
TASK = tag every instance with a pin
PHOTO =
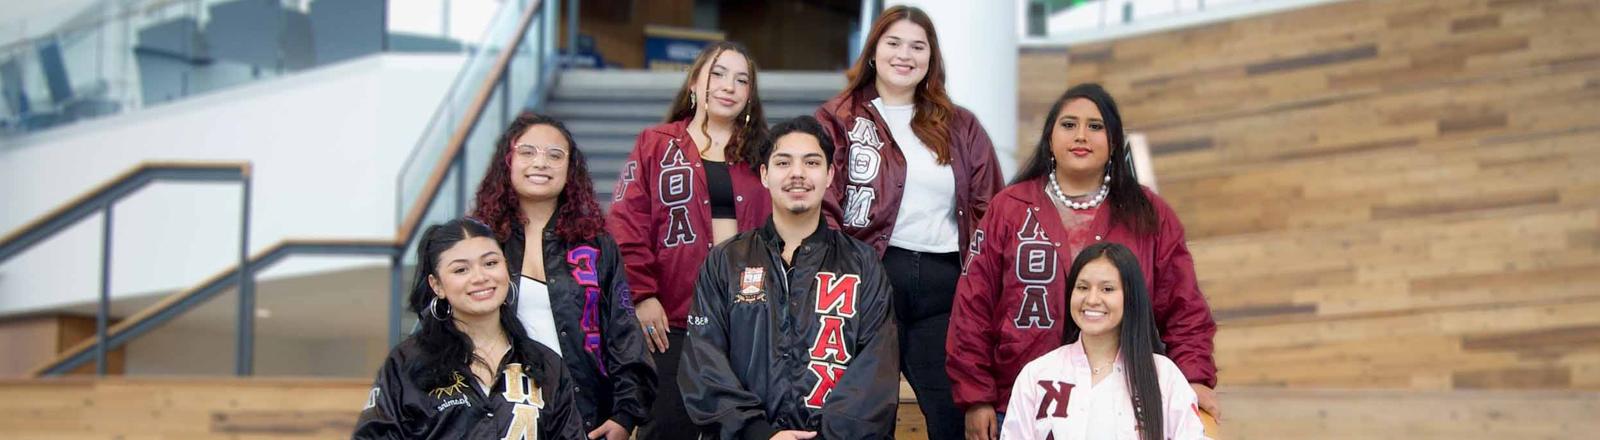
x=606, y=109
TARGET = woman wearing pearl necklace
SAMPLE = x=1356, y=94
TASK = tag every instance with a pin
x=1079, y=189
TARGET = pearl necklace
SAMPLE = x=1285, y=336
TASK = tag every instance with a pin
x=1100, y=196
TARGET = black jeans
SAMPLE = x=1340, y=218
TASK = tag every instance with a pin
x=924, y=286
x=668, y=419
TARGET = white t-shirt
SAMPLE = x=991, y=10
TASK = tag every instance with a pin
x=927, y=218
x=533, y=309
x=1077, y=408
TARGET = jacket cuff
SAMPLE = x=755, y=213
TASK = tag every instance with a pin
x=1199, y=375
x=639, y=296
x=627, y=421
x=964, y=401
x=757, y=429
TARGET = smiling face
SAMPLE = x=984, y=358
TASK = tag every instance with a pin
x=539, y=160
x=797, y=173
x=902, y=55
x=1096, y=304
x=1079, y=139
x=723, y=86
x=472, y=277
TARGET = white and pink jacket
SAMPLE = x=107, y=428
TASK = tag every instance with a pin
x=1054, y=397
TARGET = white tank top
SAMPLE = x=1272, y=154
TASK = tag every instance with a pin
x=533, y=309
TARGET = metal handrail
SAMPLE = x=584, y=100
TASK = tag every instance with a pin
x=102, y=198
x=169, y=308
x=410, y=220
x=413, y=218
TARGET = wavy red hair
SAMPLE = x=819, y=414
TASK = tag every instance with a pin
x=577, y=218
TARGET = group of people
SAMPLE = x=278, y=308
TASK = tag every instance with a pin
x=775, y=283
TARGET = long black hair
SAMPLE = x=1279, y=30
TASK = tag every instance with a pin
x=1129, y=206
x=1137, y=335
x=445, y=349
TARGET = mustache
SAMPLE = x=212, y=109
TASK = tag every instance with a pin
x=798, y=185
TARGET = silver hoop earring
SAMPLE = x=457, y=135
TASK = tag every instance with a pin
x=433, y=309
x=511, y=296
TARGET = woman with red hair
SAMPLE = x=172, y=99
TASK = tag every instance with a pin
x=913, y=174
x=573, y=292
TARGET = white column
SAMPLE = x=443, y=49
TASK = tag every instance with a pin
x=979, y=41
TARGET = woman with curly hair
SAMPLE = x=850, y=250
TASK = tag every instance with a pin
x=539, y=200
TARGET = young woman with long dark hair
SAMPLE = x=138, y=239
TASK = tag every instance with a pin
x=469, y=371
x=1079, y=189
x=1108, y=379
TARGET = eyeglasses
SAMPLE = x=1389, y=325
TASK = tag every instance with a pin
x=553, y=153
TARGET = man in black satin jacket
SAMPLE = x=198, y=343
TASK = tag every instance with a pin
x=791, y=335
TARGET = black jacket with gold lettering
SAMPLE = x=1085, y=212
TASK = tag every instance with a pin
x=593, y=308
x=525, y=403
x=809, y=346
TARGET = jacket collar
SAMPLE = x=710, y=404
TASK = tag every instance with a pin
x=1032, y=193
x=769, y=234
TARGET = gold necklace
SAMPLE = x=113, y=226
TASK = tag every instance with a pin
x=1096, y=370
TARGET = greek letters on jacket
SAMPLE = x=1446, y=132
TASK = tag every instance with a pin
x=1055, y=397
x=809, y=347
x=870, y=170
x=864, y=159
x=661, y=218
x=522, y=405
x=591, y=302
x=1013, y=289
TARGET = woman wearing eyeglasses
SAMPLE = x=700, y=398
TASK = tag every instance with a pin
x=574, y=296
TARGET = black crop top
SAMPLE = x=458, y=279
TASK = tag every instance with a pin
x=721, y=185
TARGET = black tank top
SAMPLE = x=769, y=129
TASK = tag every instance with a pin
x=721, y=189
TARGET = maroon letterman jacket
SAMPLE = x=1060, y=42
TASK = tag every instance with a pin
x=869, y=172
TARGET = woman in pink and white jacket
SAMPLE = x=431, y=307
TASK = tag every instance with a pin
x=1108, y=381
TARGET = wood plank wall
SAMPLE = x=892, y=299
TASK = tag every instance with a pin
x=1378, y=194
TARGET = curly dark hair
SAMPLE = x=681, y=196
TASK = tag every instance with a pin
x=577, y=217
